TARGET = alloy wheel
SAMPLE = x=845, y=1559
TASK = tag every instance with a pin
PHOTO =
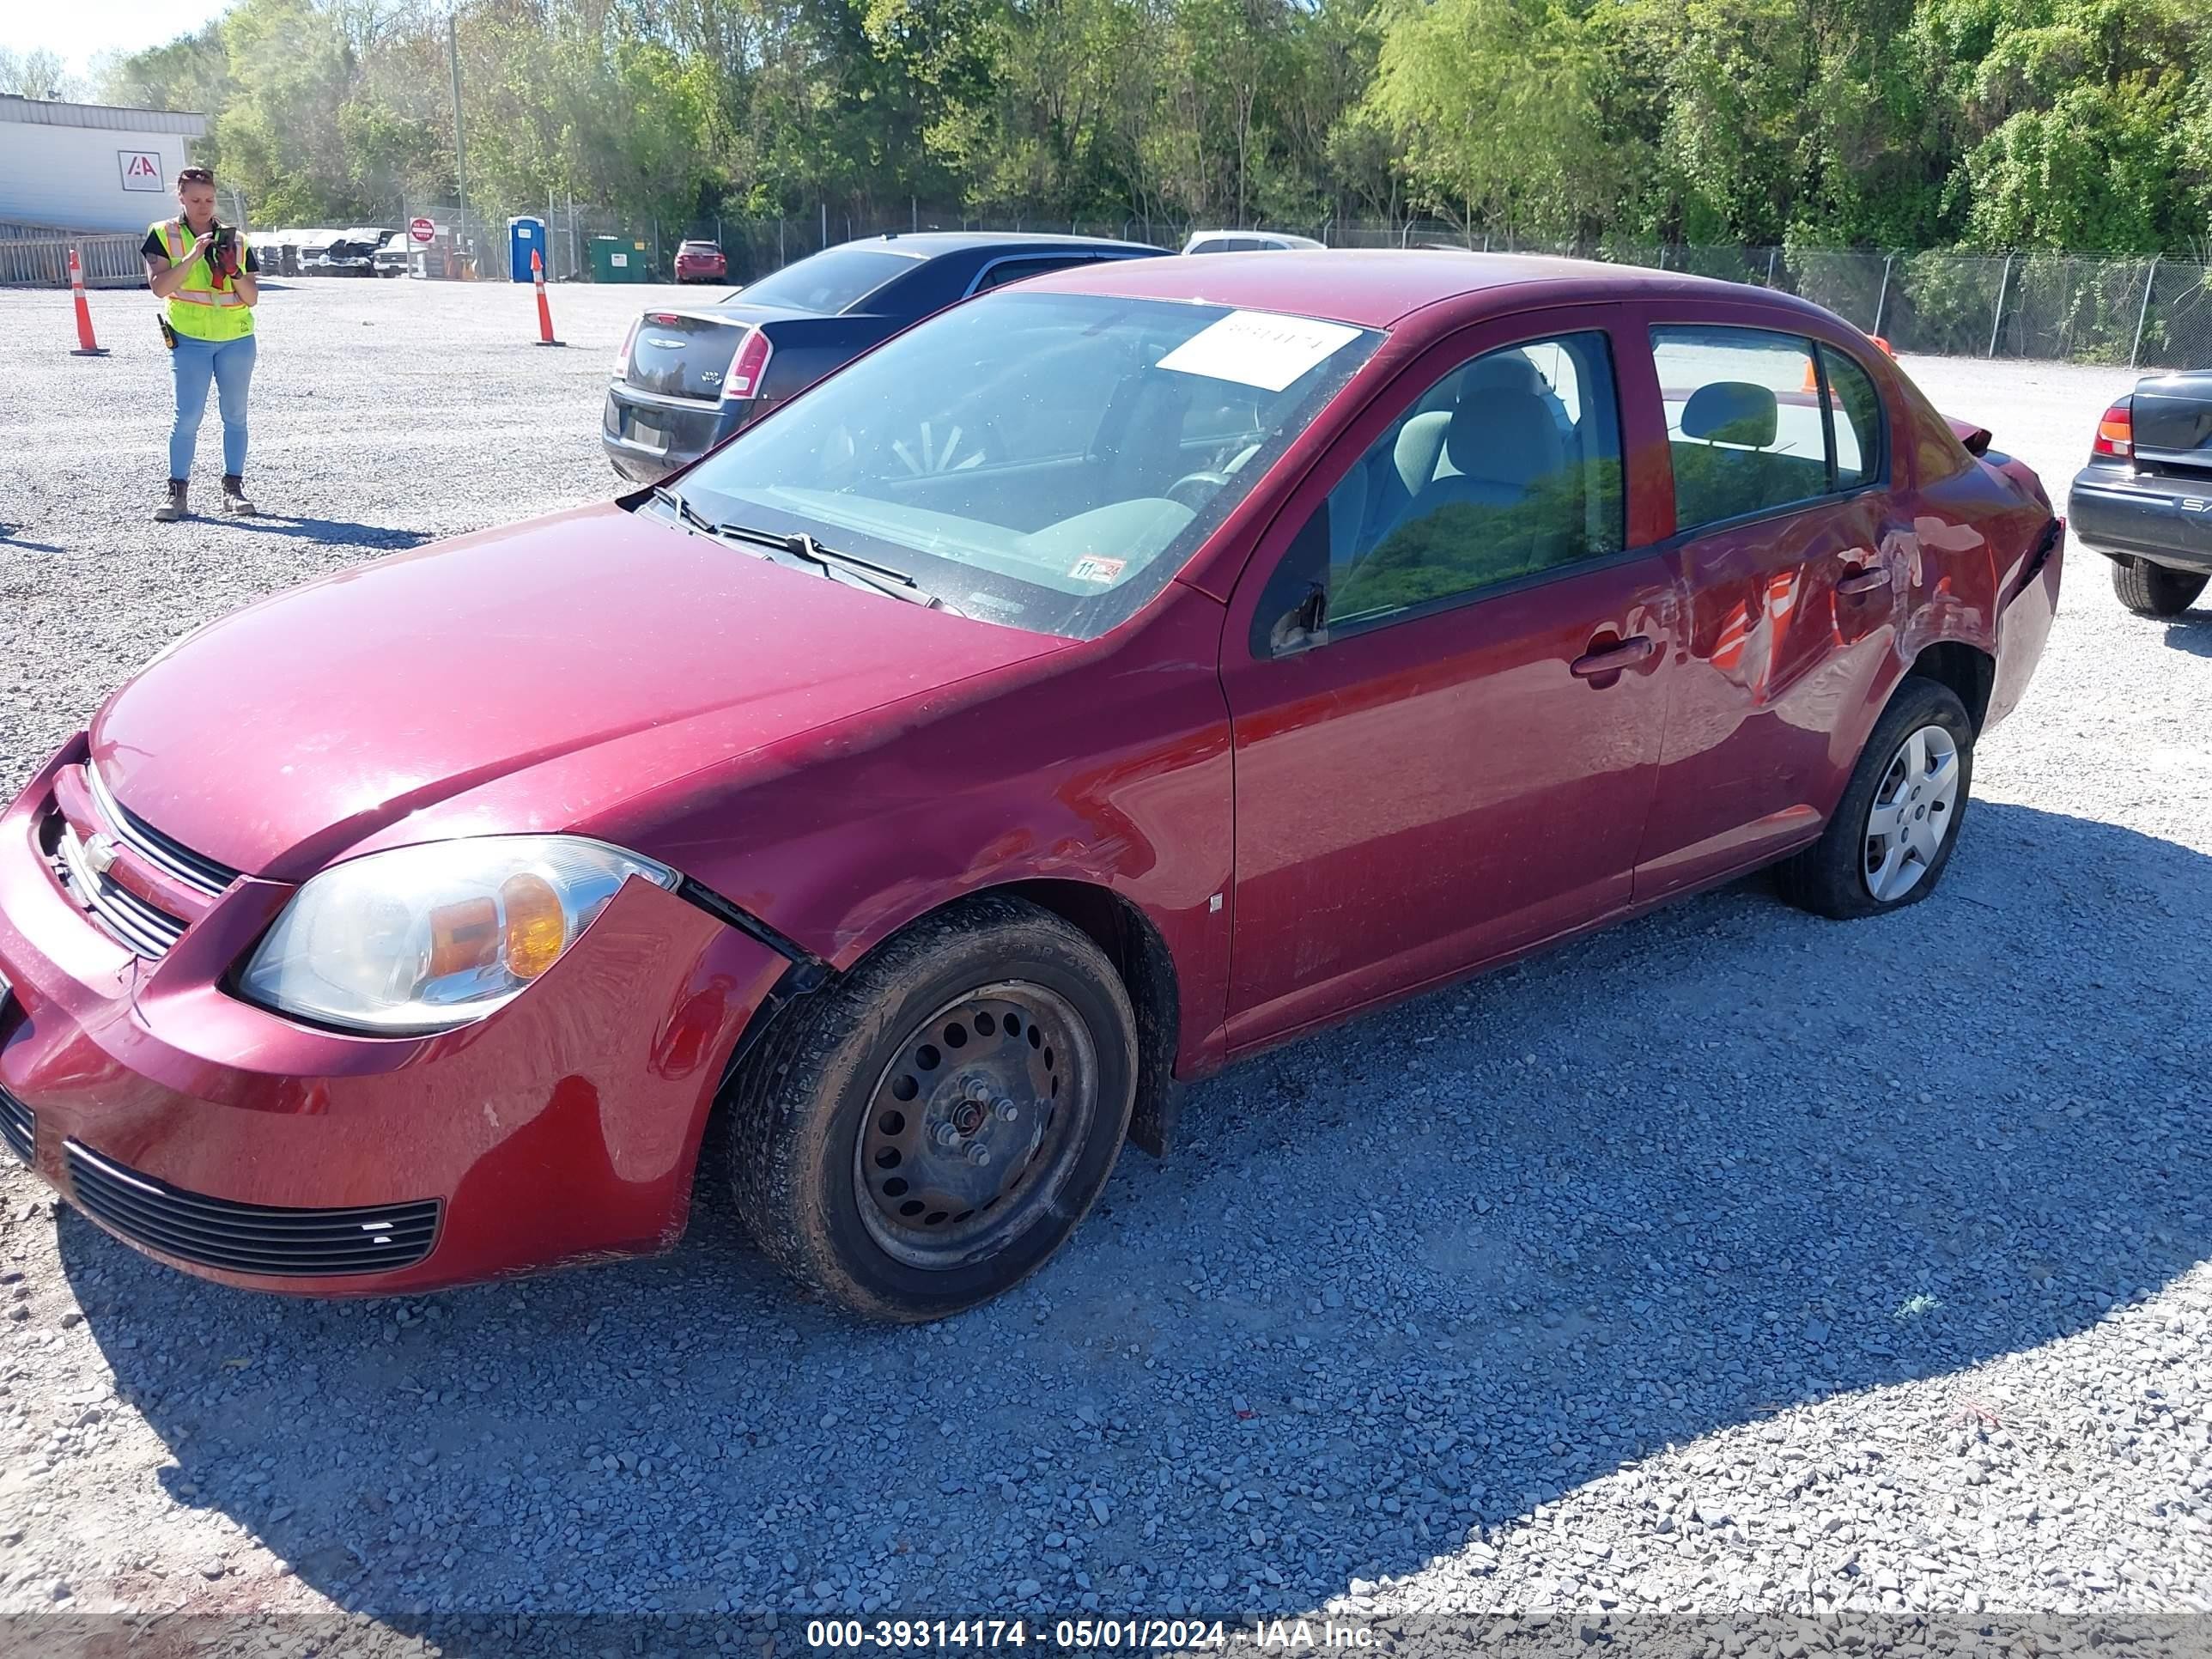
x=1914, y=807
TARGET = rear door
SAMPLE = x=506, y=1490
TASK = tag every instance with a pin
x=1454, y=761
x=1779, y=463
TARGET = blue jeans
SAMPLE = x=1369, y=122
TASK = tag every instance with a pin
x=229, y=363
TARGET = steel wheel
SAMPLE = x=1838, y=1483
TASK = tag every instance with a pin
x=1914, y=807
x=975, y=1125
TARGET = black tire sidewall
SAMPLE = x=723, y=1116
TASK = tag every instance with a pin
x=2154, y=590
x=822, y=1104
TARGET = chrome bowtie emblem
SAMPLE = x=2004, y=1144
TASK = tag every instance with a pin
x=100, y=854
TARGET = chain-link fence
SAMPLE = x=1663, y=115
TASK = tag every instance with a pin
x=2131, y=309
x=2120, y=309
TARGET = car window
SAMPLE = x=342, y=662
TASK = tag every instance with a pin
x=1855, y=412
x=1045, y=460
x=1744, y=426
x=830, y=281
x=1507, y=468
x=1014, y=270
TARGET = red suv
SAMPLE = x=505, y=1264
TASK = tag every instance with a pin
x=1106, y=678
x=700, y=262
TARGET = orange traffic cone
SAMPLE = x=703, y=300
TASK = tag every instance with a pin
x=545, y=311
x=86, y=345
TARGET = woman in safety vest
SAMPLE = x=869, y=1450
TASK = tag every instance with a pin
x=208, y=275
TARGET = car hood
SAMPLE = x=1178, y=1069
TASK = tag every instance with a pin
x=278, y=737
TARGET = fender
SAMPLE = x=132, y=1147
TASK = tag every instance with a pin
x=839, y=838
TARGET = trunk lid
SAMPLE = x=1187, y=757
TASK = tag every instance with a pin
x=686, y=354
x=2172, y=415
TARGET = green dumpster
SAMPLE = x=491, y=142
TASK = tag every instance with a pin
x=620, y=259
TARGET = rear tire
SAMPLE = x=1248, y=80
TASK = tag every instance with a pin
x=2152, y=590
x=1892, y=833
x=923, y=1134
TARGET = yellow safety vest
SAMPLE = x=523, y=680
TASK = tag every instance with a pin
x=197, y=309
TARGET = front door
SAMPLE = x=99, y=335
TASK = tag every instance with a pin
x=1448, y=693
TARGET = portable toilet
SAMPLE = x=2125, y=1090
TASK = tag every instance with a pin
x=620, y=259
x=526, y=236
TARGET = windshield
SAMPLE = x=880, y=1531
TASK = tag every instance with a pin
x=830, y=281
x=1044, y=460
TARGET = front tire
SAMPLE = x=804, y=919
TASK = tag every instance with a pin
x=1892, y=833
x=2152, y=590
x=923, y=1134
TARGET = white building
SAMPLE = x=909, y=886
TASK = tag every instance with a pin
x=89, y=166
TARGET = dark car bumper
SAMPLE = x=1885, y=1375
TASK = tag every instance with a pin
x=2122, y=513
x=647, y=438
x=235, y=1143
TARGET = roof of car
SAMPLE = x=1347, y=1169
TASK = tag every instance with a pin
x=1370, y=287
x=930, y=243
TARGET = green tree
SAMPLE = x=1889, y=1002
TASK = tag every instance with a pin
x=1492, y=105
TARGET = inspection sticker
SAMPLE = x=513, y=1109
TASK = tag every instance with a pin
x=1258, y=348
x=1092, y=569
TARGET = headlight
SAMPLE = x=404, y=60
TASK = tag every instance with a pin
x=425, y=938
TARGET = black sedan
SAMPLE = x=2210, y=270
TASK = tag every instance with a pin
x=2145, y=498
x=689, y=376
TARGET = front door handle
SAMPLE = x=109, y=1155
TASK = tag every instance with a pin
x=1864, y=581
x=1610, y=659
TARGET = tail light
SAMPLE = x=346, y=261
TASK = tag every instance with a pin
x=748, y=367
x=622, y=359
x=2116, y=433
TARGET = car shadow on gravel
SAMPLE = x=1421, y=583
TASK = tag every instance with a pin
x=332, y=533
x=2192, y=633
x=1396, y=1283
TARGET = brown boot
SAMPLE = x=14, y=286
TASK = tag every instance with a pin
x=173, y=506
x=234, y=496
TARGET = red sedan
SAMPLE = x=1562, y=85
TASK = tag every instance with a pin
x=1103, y=680
x=700, y=262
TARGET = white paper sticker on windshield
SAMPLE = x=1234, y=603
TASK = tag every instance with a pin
x=1258, y=348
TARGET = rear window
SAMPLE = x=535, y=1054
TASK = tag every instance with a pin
x=832, y=281
x=681, y=357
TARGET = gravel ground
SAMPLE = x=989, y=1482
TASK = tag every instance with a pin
x=1729, y=1261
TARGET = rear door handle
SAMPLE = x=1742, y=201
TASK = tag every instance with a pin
x=1611, y=659
x=1864, y=581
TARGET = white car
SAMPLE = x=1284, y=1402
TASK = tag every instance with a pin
x=394, y=255
x=1246, y=241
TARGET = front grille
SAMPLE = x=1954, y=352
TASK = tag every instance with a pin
x=17, y=1127
x=250, y=1238
x=178, y=862
x=146, y=931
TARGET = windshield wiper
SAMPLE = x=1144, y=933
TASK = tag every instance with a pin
x=690, y=514
x=804, y=547
x=883, y=578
